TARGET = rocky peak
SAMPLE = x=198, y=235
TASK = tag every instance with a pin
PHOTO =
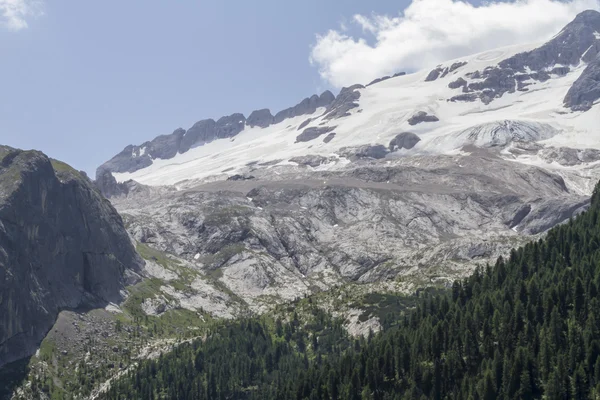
x=261, y=118
x=578, y=41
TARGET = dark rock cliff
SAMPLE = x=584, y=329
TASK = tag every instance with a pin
x=62, y=246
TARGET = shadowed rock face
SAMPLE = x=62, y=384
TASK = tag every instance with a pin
x=108, y=185
x=62, y=245
x=306, y=106
x=344, y=102
x=420, y=117
x=261, y=118
x=202, y=132
x=312, y=133
x=404, y=140
x=586, y=89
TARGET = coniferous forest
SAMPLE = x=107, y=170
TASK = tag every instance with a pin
x=527, y=327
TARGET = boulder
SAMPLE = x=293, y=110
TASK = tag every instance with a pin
x=404, y=140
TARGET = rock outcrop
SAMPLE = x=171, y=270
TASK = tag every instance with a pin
x=62, y=245
x=261, y=118
x=313, y=132
x=404, y=140
x=586, y=89
x=420, y=117
x=344, y=102
x=108, y=185
x=306, y=106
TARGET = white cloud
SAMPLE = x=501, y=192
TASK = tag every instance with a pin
x=428, y=32
x=14, y=13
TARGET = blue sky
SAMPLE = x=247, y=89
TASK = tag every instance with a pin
x=86, y=78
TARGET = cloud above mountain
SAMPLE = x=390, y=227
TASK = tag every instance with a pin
x=428, y=32
x=15, y=13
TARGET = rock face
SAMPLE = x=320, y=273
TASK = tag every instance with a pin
x=313, y=132
x=404, y=140
x=420, y=117
x=201, y=132
x=344, y=102
x=586, y=89
x=261, y=118
x=62, y=245
x=108, y=186
x=329, y=137
x=374, y=81
x=306, y=106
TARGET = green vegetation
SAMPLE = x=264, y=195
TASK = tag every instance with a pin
x=527, y=328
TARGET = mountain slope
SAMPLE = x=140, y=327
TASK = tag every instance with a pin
x=525, y=329
x=62, y=245
x=410, y=180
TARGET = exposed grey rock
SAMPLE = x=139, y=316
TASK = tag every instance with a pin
x=568, y=156
x=457, y=65
x=379, y=80
x=470, y=97
x=399, y=74
x=229, y=126
x=344, y=102
x=238, y=177
x=404, y=140
x=108, y=185
x=329, y=137
x=310, y=160
x=422, y=116
x=313, y=132
x=304, y=123
x=200, y=133
x=434, y=74
x=376, y=151
x=261, y=118
x=586, y=89
x=62, y=245
x=306, y=106
x=460, y=82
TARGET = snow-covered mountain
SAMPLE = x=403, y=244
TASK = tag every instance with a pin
x=409, y=180
x=538, y=93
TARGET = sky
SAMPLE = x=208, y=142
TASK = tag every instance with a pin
x=83, y=79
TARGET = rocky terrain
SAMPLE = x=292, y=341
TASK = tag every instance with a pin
x=294, y=231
